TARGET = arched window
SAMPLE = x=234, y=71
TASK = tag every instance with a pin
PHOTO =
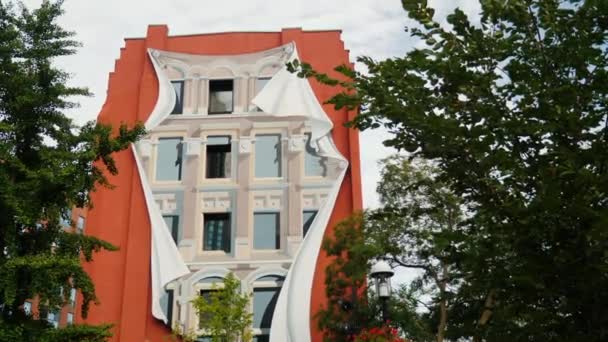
x=265, y=294
x=205, y=288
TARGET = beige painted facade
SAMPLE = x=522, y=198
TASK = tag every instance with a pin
x=241, y=193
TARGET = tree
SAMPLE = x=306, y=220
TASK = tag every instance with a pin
x=47, y=165
x=513, y=112
x=417, y=228
x=224, y=312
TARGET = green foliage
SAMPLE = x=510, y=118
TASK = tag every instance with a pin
x=348, y=310
x=225, y=313
x=513, y=112
x=47, y=165
x=416, y=229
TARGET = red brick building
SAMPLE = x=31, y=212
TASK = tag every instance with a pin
x=247, y=214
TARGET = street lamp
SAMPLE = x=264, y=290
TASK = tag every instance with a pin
x=381, y=273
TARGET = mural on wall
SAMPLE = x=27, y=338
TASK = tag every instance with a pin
x=211, y=185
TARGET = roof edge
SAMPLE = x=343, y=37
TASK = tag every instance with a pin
x=234, y=32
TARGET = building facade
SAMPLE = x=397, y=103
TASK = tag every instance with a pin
x=238, y=185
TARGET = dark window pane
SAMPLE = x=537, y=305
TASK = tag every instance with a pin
x=268, y=156
x=216, y=235
x=169, y=159
x=220, y=96
x=178, y=86
x=266, y=232
x=264, y=301
x=307, y=217
x=172, y=222
x=314, y=165
x=261, y=338
x=218, y=157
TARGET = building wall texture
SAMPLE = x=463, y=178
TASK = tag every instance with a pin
x=122, y=278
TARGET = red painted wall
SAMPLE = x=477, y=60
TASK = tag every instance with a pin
x=122, y=278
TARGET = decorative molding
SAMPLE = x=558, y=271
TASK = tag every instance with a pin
x=219, y=125
x=268, y=200
x=166, y=203
x=193, y=147
x=276, y=184
x=144, y=148
x=245, y=145
x=313, y=199
x=170, y=128
x=271, y=124
x=216, y=201
x=297, y=143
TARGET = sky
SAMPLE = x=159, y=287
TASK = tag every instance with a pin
x=372, y=28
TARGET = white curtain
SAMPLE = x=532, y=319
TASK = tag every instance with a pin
x=287, y=94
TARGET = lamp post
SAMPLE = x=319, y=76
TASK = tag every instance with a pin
x=382, y=272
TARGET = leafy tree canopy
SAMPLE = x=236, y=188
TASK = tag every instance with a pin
x=224, y=312
x=47, y=166
x=512, y=109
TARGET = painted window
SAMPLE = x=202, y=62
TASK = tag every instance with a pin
x=216, y=234
x=266, y=231
x=314, y=165
x=169, y=159
x=307, y=217
x=69, y=319
x=178, y=86
x=166, y=302
x=268, y=155
x=264, y=301
x=219, y=157
x=172, y=222
x=80, y=224
x=221, y=96
x=206, y=294
x=260, y=83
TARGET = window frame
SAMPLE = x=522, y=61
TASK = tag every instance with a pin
x=153, y=161
x=230, y=234
x=304, y=229
x=279, y=232
x=206, y=157
x=252, y=107
x=211, y=113
x=179, y=97
x=282, y=134
x=305, y=155
x=198, y=287
x=264, y=284
x=174, y=229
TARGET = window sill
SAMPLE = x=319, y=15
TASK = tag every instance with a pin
x=215, y=116
x=219, y=253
